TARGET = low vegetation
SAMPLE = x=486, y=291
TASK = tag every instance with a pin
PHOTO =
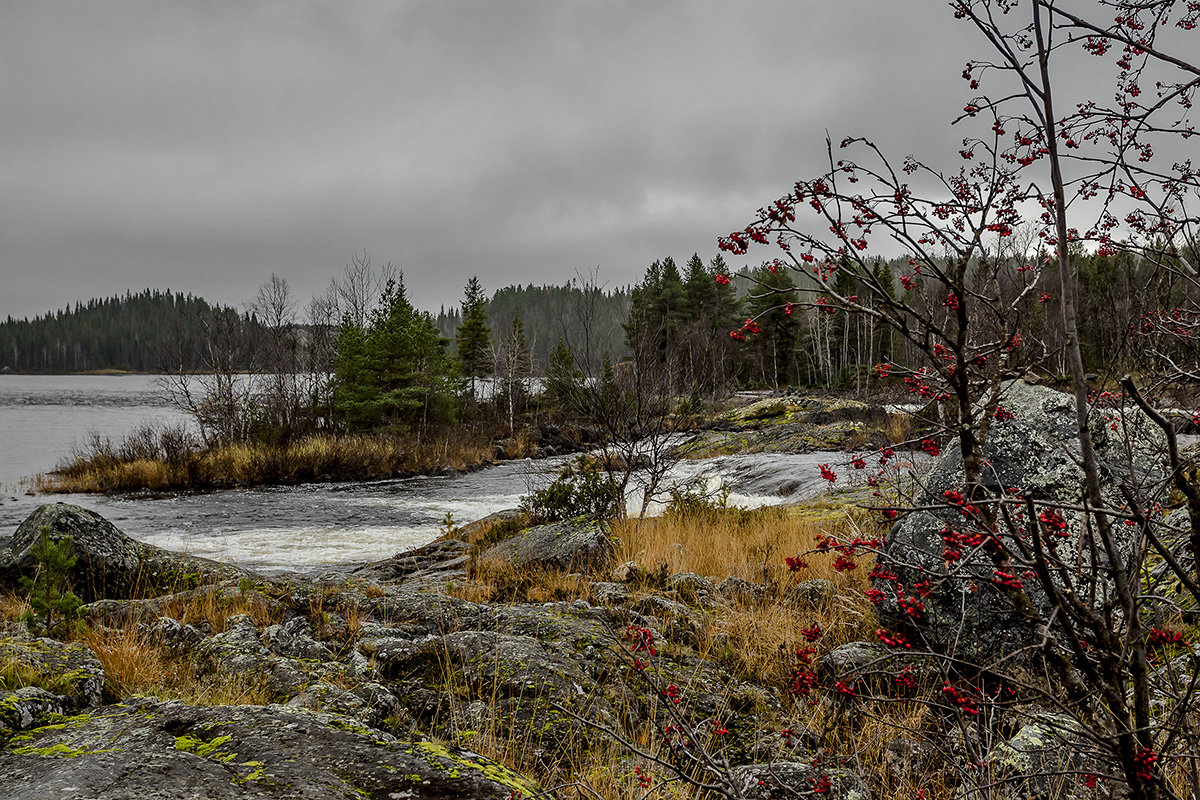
x=758, y=639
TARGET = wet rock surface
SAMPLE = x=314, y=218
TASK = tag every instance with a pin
x=152, y=749
x=1032, y=454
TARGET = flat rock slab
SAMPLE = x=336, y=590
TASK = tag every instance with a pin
x=153, y=750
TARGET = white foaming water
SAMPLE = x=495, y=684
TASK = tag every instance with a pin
x=296, y=549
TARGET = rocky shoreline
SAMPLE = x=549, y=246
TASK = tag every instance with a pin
x=362, y=699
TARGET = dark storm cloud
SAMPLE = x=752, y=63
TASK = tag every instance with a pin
x=201, y=146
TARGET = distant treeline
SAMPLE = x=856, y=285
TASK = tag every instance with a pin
x=138, y=332
x=551, y=313
x=155, y=331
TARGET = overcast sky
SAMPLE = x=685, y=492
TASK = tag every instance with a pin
x=201, y=146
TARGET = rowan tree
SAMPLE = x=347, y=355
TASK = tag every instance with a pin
x=1048, y=180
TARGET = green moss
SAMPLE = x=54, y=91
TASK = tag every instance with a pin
x=436, y=755
x=205, y=749
x=257, y=770
x=60, y=750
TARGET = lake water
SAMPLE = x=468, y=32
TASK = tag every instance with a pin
x=297, y=527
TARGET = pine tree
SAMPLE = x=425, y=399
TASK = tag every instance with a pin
x=49, y=597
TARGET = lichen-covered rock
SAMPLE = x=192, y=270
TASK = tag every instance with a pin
x=740, y=590
x=812, y=593
x=71, y=671
x=438, y=561
x=239, y=650
x=607, y=593
x=876, y=667
x=294, y=639
x=627, y=572
x=1034, y=454
x=372, y=704
x=691, y=588
x=572, y=545
x=175, y=635
x=109, y=563
x=168, y=751
x=1047, y=757
x=790, y=425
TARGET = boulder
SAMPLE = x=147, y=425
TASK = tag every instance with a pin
x=21, y=709
x=740, y=590
x=109, y=563
x=155, y=750
x=572, y=545
x=1047, y=757
x=1034, y=453
x=438, y=561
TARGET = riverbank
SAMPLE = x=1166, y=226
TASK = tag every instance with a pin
x=168, y=458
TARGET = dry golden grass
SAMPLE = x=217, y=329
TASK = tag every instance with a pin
x=751, y=545
x=215, y=605
x=756, y=640
x=12, y=606
x=500, y=581
x=135, y=665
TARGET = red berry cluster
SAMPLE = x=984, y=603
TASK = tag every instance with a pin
x=1054, y=522
x=1145, y=760
x=963, y=701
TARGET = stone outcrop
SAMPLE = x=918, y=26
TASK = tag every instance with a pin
x=69, y=671
x=791, y=424
x=569, y=545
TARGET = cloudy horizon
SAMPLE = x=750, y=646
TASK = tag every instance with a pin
x=200, y=147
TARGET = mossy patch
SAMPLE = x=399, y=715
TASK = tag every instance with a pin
x=436, y=755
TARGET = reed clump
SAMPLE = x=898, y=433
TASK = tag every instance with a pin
x=173, y=460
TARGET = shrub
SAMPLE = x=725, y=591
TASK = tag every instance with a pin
x=581, y=488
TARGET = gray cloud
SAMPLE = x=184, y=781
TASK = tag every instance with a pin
x=201, y=146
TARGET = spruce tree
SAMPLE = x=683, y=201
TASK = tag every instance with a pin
x=473, y=339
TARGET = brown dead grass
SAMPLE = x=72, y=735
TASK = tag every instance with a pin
x=12, y=606
x=752, y=545
x=756, y=640
x=135, y=665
